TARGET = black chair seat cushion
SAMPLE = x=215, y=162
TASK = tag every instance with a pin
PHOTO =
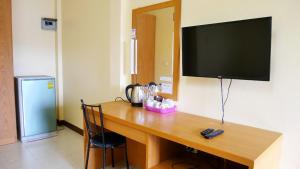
x=111, y=140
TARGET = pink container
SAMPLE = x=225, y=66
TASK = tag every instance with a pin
x=162, y=111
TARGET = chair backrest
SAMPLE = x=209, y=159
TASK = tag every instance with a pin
x=89, y=115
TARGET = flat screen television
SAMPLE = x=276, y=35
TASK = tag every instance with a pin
x=233, y=50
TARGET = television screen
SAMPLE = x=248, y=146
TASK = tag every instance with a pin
x=233, y=50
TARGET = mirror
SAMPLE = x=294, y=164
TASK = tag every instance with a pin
x=163, y=47
x=155, y=46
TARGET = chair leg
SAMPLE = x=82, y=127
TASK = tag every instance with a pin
x=103, y=157
x=126, y=156
x=112, y=157
x=87, y=155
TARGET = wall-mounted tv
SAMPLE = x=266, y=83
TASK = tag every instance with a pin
x=233, y=50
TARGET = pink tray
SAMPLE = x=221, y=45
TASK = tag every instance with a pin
x=162, y=111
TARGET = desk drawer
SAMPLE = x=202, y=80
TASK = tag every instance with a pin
x=128, y=132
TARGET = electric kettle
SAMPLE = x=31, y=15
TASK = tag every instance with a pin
x=136, y=96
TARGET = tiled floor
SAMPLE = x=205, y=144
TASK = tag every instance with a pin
x=64, y=151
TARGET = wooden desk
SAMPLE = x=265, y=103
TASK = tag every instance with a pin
x=252, y=147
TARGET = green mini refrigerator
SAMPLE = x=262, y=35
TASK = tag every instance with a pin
x=36, y=107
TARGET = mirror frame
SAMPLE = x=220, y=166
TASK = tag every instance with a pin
x=177, y=15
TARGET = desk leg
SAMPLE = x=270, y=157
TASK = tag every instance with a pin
x=95, y=158
x=95, y=154
x=152, y=151
x=270, y=158
x=84, y=141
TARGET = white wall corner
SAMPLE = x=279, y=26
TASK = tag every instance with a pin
x=59, y=63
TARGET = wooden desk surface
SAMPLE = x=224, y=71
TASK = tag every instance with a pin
x=239, y=143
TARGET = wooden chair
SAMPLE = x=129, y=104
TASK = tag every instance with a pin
x=98, y=138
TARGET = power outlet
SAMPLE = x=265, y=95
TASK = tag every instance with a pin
x=191, y=150
x=49, y=23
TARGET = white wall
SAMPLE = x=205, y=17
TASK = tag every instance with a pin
x=33, y=48
x=91, y=49
x=271, y=105
x=59, y=63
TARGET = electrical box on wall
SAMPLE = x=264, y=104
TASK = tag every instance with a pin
x=49, y=23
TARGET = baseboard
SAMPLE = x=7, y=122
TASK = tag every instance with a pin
x=60, y=122
x=70, y=126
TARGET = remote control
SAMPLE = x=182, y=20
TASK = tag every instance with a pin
x=214, y=134
x=206, y=131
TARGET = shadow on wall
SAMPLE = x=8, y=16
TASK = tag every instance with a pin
x=195, y=81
